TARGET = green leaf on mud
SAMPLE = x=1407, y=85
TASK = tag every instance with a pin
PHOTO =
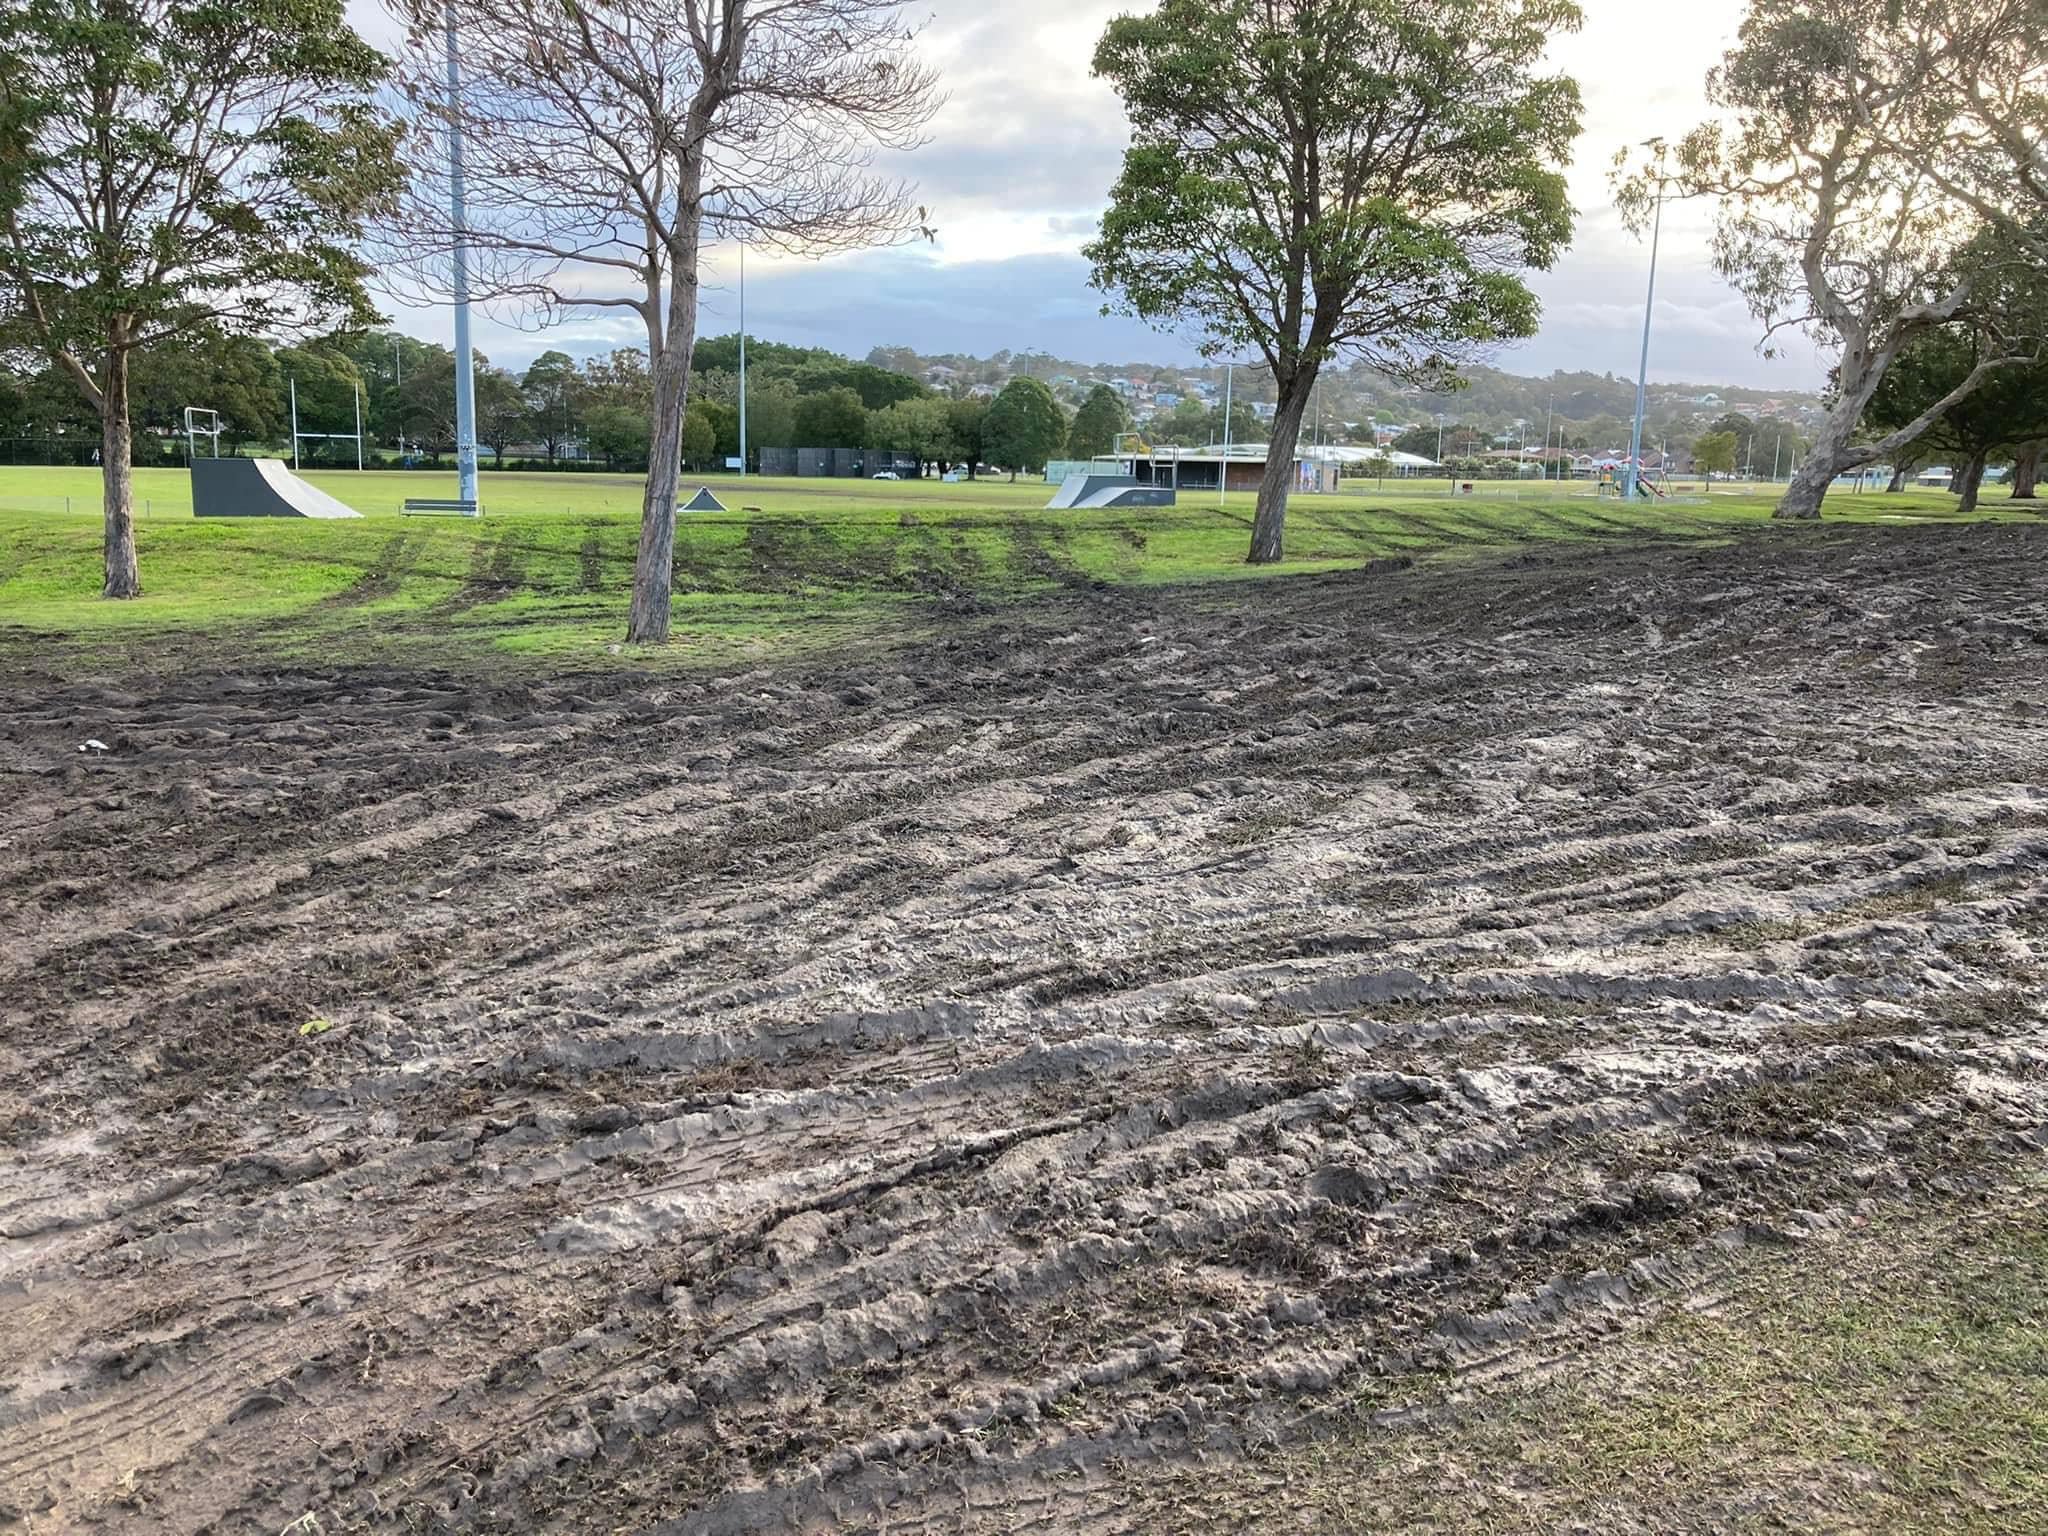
x=316, y=1027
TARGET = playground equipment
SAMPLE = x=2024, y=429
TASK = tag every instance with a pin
x=1613, y=480
x=1078, y=491
x=237, y=487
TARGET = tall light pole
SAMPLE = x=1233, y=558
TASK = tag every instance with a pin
x=1223, y=469
x=1439, y=439
x=743, y=359
x=465, y=359
x=1635, y=452
x=1549, y=416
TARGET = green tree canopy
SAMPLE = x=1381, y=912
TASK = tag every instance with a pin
x=1096, y=425
x=553, y=388
x=1025, y=426
x=2008, y=410
x=1838, y=183
x=171, y=169
x=618, y=434
x=1312, y=178
x=771, y=418
x=700, y=435
x=236, y=376
x=969, y=422
x=326, y=382
x=920, y=427
x=1714, y=453
x=502, y=415
x=833, y=419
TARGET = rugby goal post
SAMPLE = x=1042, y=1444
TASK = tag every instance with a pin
x=356, y=437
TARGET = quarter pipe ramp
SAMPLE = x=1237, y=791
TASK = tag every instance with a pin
x=239, y=487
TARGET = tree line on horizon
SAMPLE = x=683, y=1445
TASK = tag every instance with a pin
x=1309, y=184
x=560, y=411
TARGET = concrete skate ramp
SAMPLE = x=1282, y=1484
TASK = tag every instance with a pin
x=1130, y=496
x=258, y=488
x=703, y=501
x=1074, y=490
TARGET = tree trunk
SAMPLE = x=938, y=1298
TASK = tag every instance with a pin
x=1899, y=473
x=1831, y=453
x=117, y=479
x=654, y=569
x=1972, y=481
x=1269, y=524
x=2026, y=471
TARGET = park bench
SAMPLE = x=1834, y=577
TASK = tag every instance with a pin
x=426, y=506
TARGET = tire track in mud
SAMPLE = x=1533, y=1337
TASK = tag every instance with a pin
x=1110, y=1037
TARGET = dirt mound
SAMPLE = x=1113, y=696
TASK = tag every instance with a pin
x=922, y=1095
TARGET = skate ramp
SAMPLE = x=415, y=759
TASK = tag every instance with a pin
x=703, y=501
x=1129, y=496
x=239, y=487
x=1075, y=489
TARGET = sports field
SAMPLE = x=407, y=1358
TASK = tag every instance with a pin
x=792, y=566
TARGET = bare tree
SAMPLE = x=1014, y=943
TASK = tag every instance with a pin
x=605, y=141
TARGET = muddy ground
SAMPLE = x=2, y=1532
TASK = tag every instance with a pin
x=986, y=1085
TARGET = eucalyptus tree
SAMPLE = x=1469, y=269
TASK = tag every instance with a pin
x=606, y=141
x=1841, y=202
x=2007, y=412
x=1310, y=179
x=170, y=169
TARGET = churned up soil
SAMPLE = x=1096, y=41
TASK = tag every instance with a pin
x=1055, y=1074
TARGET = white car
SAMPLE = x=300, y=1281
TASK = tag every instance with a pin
x=888, y=474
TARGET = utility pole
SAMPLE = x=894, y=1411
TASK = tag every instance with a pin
x=1549, y=416
x=1635, y=452
x=359, y=426
x=743, y=359
x=465, y=358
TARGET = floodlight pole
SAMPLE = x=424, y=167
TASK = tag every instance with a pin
x=1549, y=415
x=1635, y=452
x=359, y=426
x=465, y=359
x=1223, y=469
x=294, y=382
x=743, y=359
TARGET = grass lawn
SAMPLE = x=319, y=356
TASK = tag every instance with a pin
x=1895, y=1380
x=793, y=565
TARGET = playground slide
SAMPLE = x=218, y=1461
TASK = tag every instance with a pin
x=237, y=487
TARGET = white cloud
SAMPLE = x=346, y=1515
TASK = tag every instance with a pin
x=1020, y=164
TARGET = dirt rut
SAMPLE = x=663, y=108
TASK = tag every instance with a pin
x=921, y=1093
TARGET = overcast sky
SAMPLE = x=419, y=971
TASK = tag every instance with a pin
x=1022, y=158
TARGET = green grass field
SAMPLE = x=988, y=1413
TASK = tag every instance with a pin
x=791, y=566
